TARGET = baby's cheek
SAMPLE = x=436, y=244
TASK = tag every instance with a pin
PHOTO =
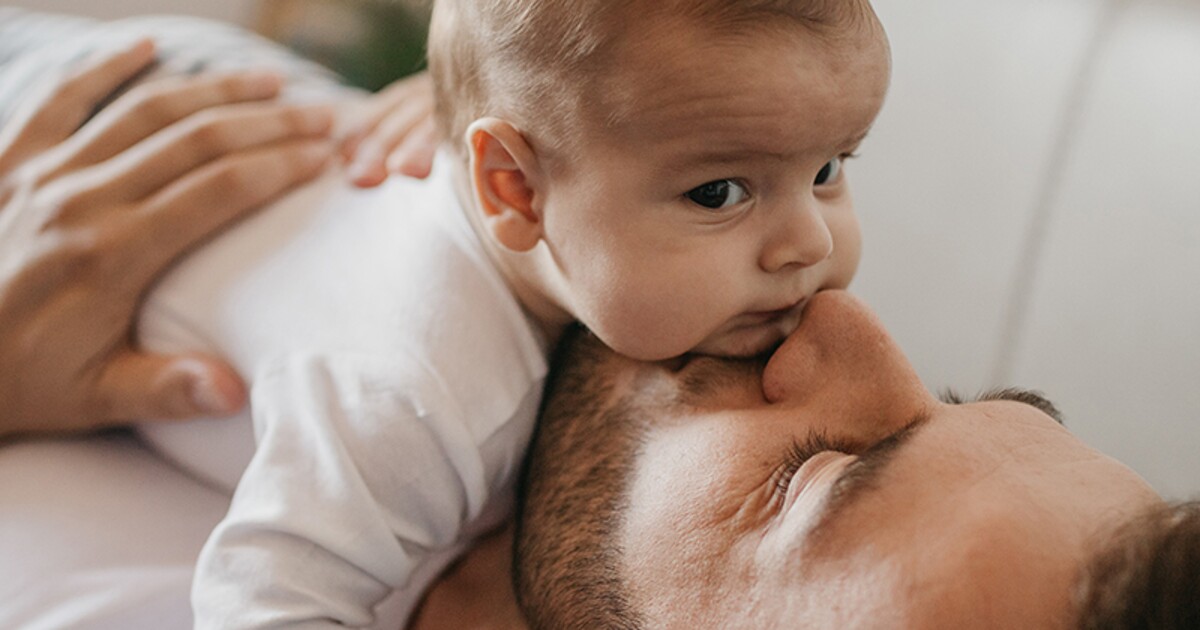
x=659, y=304
x=847, y=250
x=649, y=321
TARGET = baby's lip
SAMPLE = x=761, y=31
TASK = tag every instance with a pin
x=777, y=313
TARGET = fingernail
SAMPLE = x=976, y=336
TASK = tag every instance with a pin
x=143, y=48
x=415, y=166
x=367, y=173
x=209, y=399
x=357, y=170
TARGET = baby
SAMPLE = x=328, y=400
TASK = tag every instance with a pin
x=668, y=173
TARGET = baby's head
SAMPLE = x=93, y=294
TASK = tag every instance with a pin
x=673, y=168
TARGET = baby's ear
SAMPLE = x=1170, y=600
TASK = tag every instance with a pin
x=503, y=174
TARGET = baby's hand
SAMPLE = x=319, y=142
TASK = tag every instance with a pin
x=399, y=135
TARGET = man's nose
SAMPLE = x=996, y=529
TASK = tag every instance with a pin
x=841, y=365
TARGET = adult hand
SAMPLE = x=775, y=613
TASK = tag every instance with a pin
x=398, y=136
x=89, y=219
x=476, y=593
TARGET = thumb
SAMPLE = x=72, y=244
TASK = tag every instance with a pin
x=144, y=386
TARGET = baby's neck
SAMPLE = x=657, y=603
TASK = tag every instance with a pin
x=526, y=274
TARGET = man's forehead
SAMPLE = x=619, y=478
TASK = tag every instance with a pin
x=970, y=455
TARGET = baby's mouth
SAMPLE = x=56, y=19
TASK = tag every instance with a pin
x=749, y=334
x=765, y=317
x=769, y=315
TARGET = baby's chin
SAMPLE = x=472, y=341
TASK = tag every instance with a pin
x=746, y=342
x=735, y=340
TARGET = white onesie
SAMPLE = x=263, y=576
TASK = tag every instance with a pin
x=394, y=386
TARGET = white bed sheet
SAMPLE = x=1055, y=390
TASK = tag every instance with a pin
x=98, y=533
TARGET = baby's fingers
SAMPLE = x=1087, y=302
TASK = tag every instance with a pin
x=398, y=113
x=414, y=156
x=44, y=123
x=416, y=90
x=369, y=166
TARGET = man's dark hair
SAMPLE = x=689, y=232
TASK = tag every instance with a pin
x=573, y=493
x=1147, y=575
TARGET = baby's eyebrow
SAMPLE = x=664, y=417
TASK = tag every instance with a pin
x=853, y=143
x=862, y=475
x=737, y=154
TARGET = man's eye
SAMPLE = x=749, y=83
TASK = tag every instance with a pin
x=802, y=450
x=718, y=195
x=829, y=173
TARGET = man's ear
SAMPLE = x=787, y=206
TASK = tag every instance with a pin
x=503, y=174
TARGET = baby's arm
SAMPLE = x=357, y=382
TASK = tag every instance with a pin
x=360, y=475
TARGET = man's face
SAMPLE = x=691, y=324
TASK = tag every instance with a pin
x=830, y=489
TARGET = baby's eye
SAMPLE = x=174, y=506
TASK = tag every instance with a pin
x=718, y=195
x=829, y=173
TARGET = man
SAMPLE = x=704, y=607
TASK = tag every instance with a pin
x=696, y=506
x=824, y=488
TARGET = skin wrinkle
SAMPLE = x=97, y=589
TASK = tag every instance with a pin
x=1021, y=396
x=1038, y=401
x=1013, y=395
x=830, y=30
x=663, y=103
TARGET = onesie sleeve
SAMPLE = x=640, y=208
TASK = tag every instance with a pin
x=363, y=470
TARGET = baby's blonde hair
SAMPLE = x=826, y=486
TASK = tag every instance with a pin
x=538, y=63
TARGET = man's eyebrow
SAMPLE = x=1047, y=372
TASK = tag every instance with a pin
x=1029, y=397
x=861, y=475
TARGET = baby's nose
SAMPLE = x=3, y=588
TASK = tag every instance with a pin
x=841, y=364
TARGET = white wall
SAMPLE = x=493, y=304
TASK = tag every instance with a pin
x=240, y=11
x=1032, y=213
